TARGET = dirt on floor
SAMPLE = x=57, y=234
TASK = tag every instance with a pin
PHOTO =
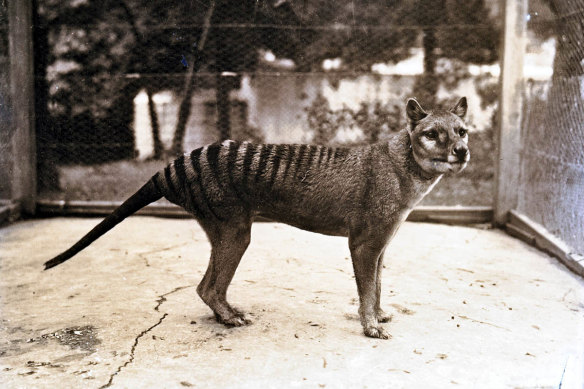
x=472, y=307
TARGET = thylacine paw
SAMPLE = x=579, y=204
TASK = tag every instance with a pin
x=376, y=332
x=383, y=317
x=233, y=320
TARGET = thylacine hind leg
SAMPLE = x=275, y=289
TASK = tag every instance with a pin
x=229, y=240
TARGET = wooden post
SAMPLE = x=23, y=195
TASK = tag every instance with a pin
x=510, y=107
x=22, y=103
x=223, y=103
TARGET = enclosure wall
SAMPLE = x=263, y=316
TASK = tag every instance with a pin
x=17, y=140
x=5, y=108
x=551, y=184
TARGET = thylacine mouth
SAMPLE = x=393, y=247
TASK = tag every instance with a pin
x=441, y=160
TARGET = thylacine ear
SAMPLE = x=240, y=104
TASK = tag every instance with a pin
x=460, y=108
x=414, y=111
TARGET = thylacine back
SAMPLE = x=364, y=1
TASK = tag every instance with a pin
x=215, y=182
x=362, y=192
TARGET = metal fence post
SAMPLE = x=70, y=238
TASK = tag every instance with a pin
x=510, y=107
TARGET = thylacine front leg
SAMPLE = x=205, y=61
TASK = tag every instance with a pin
x=367, y=245
x=382, y=316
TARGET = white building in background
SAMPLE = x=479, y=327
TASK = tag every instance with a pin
x=166, y=109
x=275, y=103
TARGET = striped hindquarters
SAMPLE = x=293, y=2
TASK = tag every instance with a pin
x=213, y=178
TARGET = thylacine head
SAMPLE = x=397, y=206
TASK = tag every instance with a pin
x=439, y=139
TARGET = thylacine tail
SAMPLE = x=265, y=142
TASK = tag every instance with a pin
x=149, y=193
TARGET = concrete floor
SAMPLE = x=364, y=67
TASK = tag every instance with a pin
x=472, y=308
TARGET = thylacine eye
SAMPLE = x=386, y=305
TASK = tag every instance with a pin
x=462, y=132
x=432, y=134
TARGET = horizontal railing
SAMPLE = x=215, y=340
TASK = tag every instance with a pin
x=428, y=214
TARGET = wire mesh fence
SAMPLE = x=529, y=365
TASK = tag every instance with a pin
x=551, y=190
x=124, y=86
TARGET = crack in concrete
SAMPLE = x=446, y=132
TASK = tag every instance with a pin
x=483, y=322
x=132, y=351
x=161, y=299
x=143, y=255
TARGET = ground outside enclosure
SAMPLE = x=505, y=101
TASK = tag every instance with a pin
x=472, y=307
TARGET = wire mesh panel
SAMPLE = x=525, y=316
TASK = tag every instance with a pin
x=552, y=157
x=125, y=86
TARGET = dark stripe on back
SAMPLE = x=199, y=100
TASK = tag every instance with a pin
x=329, y=153
x=213, y=161
x=247, y=161
x=169, y=183
x=279, y=150
x=195, y=157
x=179, y=169
x=340, y=153
x=300, y=158
x=289, y=157
x=154, y=180
x=311, y=153
x=321, y=155
x=263, y=163
x=189, y=198
x=231, y=159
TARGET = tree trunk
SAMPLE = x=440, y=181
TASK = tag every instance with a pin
x=184, y=112
x=47, y=172
x=186, y=103
x=426, y=85
x=158, y=149
x=223, y=107
x=224, y=50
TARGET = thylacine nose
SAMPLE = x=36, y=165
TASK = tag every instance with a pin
x=460, y=152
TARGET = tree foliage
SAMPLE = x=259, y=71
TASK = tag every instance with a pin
x=98, y=54
x=94, y=41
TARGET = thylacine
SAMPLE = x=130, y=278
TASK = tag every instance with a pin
x=364, y=193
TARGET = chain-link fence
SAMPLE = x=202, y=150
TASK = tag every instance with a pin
x=123, y=86
x=551, y=188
